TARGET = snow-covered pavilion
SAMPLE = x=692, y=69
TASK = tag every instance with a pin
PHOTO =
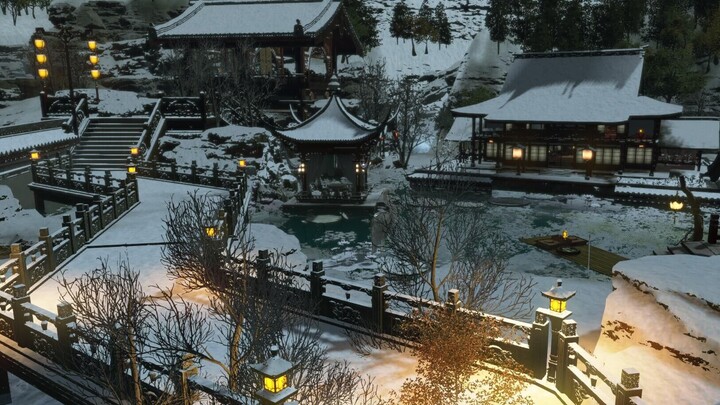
x=334, y=147
x=276, y=27
x=556, y=104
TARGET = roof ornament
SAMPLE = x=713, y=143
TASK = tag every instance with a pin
x=298, y=30
x=334, y=84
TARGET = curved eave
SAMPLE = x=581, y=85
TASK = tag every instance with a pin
x=326, y=142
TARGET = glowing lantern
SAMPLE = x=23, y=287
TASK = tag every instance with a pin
x=41, y=58
x=34, y=155
x=517, y=152
x=587, y=154
x=676, y=205
x=210, y=231
x=134, y=151
x=565, y=234
x=95, y=74
x=94, y=59
x=43, y=73
x=274, y=373
x=39, y=43
x=558, y=297
x=92, y=45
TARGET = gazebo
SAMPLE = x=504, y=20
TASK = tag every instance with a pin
x=283, y=31
x=556, y=105
x=333, y=146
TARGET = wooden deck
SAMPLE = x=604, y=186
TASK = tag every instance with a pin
x=601, y=260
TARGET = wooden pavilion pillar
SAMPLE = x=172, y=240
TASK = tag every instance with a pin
x=655, y=146
x=473, y=143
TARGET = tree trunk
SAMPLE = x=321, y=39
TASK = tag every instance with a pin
x=498, y=47
x=436, y=252
x=412, y=40
x=697, y=234
x=233, y=377
x=134, y=369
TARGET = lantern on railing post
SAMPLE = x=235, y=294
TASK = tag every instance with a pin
x=274, y=374
x=210, y=231
x=557, y=313
x=131, y=170
x=518, y=152
x=34, y=158
x=588, y=155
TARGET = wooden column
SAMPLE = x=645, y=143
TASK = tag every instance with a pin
x=473, y=144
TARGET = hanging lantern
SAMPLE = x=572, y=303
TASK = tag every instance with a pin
x=94, y=59
x=517, y=152
x=92, y=45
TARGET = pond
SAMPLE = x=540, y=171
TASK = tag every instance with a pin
x=18, y=184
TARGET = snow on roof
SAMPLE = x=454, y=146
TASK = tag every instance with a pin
x=461, y=130
x=691, y=133
x=29, y=140
x=333, y=123
x=589, y=87
x=249, y=18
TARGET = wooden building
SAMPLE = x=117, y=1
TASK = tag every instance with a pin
x=284, y=32
x=557, y=104
x=334, y=148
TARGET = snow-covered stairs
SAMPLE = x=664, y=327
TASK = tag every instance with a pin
x=105, y=144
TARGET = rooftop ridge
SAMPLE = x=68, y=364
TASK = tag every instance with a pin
x=565, y=54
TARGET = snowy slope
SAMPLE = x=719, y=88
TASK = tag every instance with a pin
x=663, y=319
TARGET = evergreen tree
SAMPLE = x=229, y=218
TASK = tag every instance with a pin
x=608, y=32
x=443, y=35
x=424, y=29
x=671, y=73
x=704, y=11
x=364, y=21
x=660, y=13
x=572, y=30
x=497, y=21
x=524, y=16
x=399, y=24
x=545, y=34
x=632, y=15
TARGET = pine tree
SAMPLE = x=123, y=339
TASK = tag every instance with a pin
x=524, y=16
x=424, y=24
x=572, y=30
x=497, y=21
x=399, y=22
x=443, y=35
x=608, y=30
x=364, y=21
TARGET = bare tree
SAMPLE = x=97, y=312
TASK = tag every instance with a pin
x=436, y=240
x=373, y=90
x=251, y=305
x=112, y=316
x=410, y=121
x=453, y=349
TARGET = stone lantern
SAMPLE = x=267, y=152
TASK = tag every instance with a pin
x=274, y=374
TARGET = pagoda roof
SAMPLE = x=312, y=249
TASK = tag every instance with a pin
x=249, y=18
x=333, y=123
x=573, y=87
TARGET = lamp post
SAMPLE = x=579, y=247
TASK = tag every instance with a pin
x=302, y=171
x=588, y=154
x=517, y=154
x=558, y=313
x=94, y=71
x=34, y=158
x=42, y=71
x=131, y=170
x=274, y=374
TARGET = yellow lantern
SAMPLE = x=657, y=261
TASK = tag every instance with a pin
x=587, y=154
x=134, y=151
x=34, y=155
x=275, y=385
x=565, y=234
x=676, y=205
x=558, y=297
x=132, y=169
x=43, y=73
x=94, y=59
x=274, y=372
x=41, y=58
x=92, y=45
x=301, y=169
x=95, y=74
x=210, y=231
x=39, y=43
x=242, y=163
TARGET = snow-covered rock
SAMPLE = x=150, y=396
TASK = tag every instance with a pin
x=663, y=318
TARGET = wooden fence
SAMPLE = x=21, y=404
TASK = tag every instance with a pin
x=192, y=174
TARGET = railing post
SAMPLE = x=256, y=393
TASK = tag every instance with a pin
x=67, y=222
x=113, y=198
x=20, y=315
x=453, y=302
x=82, y=214
x=107, y=178
x=69, y=177
x=187, y=370
x=124, y=190
x=97, y=201
x=262, y=265
x=567, y=335
x=379, y=305
x=229, y=215
x=65, y=333
x=33, y=171
x=51, y=172
x=43, y=104
x=193, y=172
x=173, y=171
x=88, y=179
x=20, y=266
x=47, y=250
x=317, y=287
x=628, y=387
x=538, y=345
x=713, y=228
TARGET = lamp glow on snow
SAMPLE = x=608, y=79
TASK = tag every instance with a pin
x=274, y=373
x=558, y=297
x=41, y=58
x=43, y=73
x=34, y=155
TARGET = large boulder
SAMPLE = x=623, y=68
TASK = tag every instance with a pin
x=663, y=319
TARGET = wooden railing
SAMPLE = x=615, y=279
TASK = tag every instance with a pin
x=30, y=127
x=192, y=174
